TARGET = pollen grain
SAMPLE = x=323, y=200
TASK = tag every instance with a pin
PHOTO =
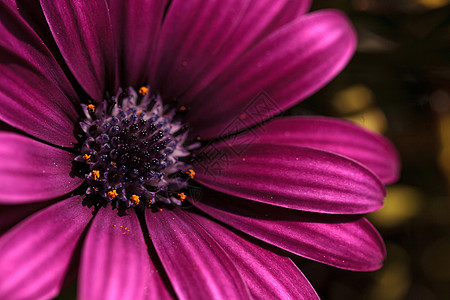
x=91, y=108
x=135, y=199
x=112, y=194
x=182, y=196
x=191, y=173
x=143, y=91
x=95, y=174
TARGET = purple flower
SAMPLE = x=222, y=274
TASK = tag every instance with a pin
x=123, y=168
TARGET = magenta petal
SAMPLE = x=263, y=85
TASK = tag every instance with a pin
x=31, y=171
x=196, y=265
x=10, y=215
x=267, y=275
x=336, y=136
x=82, y=30
x=261, y=18
x=35, y=94
x=292, y=177
x=283, y=69
x=136, y=26
x=35, y=255
x=348, y=242
x=193, y=31
x=115, y=263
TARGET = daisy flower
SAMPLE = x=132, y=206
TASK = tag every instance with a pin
x=137, y=154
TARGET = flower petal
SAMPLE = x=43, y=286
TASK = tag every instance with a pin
x=193, y=31
x=10, y=215
x=196, y=266
x=31, y=171
x=136, y=26
x=267, y=275
x=35, y=95
x=36, y=253
x=282, y=70
x=332, y=135
x=83, y=33
x=261, y=18
x=115, y=263
x=348, y=242
x=292, y=177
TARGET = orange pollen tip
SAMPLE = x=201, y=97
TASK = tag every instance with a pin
x=182, y=196
x=91, y=108
x=139, y=112
x=183, y=108
x=112, y=194
x=96, y=174
x=191, y=173
x=143, y=91
x=135, y=199
x=86, y=157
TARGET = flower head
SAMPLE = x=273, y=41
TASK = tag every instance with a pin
x=139, y=143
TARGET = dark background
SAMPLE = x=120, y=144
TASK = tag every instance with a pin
x=398, y=84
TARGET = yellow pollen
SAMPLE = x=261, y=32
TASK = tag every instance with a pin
x=135, y=199
x=112, y=194
x=182, y=196
x=139, y=112
x=91, y=108
x=191, y=173
x=96, y=174
x=86, y=157
x=143, y=91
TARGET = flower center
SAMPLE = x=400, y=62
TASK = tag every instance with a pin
x=134, y=150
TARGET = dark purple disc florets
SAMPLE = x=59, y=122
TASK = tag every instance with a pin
x=135, y=150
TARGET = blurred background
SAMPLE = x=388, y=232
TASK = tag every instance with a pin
x=398, y=84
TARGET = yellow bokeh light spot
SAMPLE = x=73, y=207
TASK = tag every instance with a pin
x=402, y=203
x=353, y=99
x=433, y=3
x=372, y=119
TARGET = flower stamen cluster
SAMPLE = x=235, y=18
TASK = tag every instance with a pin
x=134, y=150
